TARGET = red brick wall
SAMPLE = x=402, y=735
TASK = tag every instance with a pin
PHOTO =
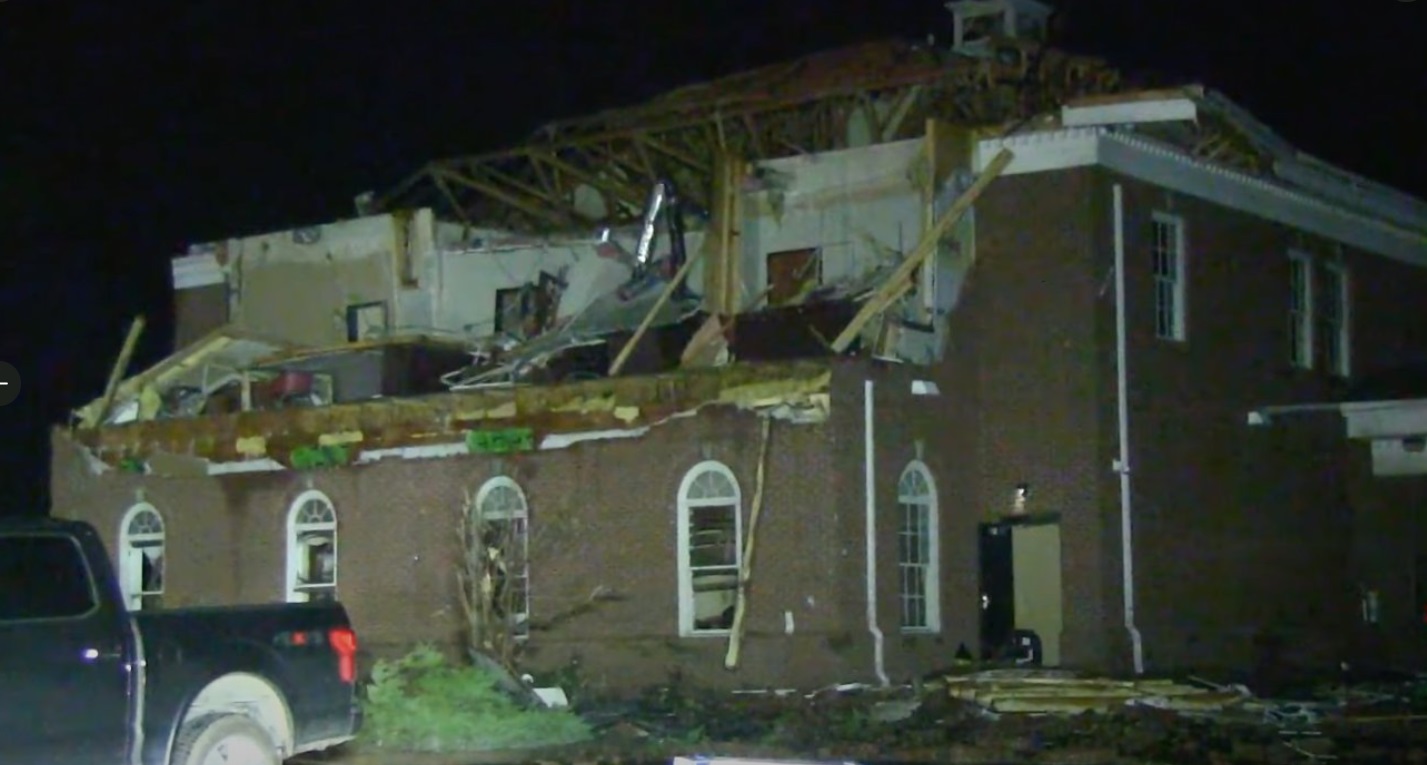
x=1240, y=530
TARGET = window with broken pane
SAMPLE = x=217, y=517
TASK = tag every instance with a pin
x=710, y=532
x=917, y=557
x=141, y=557
x=504, y=539
x=312, y=549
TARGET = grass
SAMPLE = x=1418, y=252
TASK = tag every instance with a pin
x=424, y=703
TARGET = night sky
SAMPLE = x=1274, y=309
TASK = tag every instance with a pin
x=130, y=129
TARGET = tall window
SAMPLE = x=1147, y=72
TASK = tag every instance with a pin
x=918, y=561
x=1167, y=254
x=1332, y=326
x=141, y=556
x=311, y=549
x=1300, y=310
x=710, y=549
x=504, y=528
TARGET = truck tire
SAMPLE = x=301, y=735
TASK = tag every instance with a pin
x=224, y=740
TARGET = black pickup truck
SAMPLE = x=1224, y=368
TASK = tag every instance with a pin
x=85, y=682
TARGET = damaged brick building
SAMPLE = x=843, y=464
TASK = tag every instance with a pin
x=901, y=354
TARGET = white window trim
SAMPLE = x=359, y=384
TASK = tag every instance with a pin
x=504, y=482
x=1180, y=316
x=686, y=572
x=127, y=559
x=1302, y=357
x=1344, y=365
x=933, y=576
x=293, y=590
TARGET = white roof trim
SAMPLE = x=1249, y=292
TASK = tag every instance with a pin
x=1043, y=151
x=1386, y=419
x=1165, y=166
x=199, y=270
x=1129, y=112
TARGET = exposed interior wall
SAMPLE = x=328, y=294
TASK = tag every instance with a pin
x=860, y=207
x=297, y=285
x=468, y=279
x=198, y=311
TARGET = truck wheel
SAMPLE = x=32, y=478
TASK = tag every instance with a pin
x=224, y=740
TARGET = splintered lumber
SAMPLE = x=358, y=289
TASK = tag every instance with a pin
x=116, y=375
x=745, y=572
x=706, y=346
x=1072, y=695
x=664, y=296
x=901, y=280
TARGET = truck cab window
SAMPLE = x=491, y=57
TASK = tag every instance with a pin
x=43, y=577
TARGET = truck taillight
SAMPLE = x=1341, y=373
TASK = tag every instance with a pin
x=344, y=643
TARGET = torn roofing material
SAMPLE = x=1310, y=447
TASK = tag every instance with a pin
x=205, y=365
x=523, y=416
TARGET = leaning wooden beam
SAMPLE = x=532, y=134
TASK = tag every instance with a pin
x=116, y=375
x=745, y=570
x=654, y=311
x=900, y=280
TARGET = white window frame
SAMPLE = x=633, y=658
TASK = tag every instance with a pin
x=520, y=516
x=296, y=590
x=1171, y=286
x=1302, y=309
x=928, y=572
x=1337, y=352
x=687, y=505
x=134, y=546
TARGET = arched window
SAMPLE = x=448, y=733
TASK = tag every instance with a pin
x=710, y=549
x=141, y=556
x=918, y=550
x=504, y=528
x=311, y=548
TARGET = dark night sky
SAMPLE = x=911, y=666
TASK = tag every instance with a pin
x=129, y=129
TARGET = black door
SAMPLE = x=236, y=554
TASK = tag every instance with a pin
x=998, y=590
x=64, y=697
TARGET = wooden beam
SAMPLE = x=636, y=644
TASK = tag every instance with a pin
x=116, y=374
x=664, y=296
x=669, y=151
x=745, y=570
x=450, y=196
x=548, y=215
x=900, y=280
x=495, y=175
x=617, y=190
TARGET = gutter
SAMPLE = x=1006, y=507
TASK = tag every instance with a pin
x=869, y=463
x=1122, y=465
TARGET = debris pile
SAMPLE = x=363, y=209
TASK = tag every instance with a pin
x=1036, y=691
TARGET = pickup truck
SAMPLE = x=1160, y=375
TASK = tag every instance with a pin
x=83, y=681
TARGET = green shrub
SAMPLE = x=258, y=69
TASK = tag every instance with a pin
x=422, y=702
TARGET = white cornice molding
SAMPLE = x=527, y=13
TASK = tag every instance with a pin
x=1165, y=166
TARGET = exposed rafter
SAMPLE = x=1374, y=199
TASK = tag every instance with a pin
x=598, y=169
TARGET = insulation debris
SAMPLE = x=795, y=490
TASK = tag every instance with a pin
x=490, y=421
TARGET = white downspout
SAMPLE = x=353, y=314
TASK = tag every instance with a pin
x=1122, y=465
x=870, y=479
